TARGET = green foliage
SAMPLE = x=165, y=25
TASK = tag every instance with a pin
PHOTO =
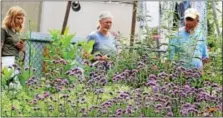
x=6, y=76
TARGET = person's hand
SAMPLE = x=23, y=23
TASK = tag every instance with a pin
x=86, y=55
x=100, y=57
x=206, y=60
x=20, y=45
x=104, y=58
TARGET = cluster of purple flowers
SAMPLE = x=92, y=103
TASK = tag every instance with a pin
x=60, y=61
x=127, y=75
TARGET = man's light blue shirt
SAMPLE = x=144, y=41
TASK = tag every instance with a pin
x=192, y=48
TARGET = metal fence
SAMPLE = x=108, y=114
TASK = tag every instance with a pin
x=34, y=51
x=34, y=48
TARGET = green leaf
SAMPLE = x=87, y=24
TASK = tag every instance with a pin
x=67, y=41
x=25, y=75
x=90, y=46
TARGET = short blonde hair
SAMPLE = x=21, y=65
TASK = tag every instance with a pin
x=9, y=20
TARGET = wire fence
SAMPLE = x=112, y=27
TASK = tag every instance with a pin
x=34, y=50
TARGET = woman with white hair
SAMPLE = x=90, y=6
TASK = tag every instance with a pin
x=104, y=40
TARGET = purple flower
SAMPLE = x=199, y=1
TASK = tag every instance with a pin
x=39, y=97
x=151, y=83
x=186, y=105
x=118, y=113
x=92, y=74
x=187, y=87
x=103, y=81
x=115, y=79
x=191, y=110
x=214, y=85
x=183, y=94
x=124, y=95
x=196, y=75
x=130, y=106
x=65, y=81
x=179, y=68
x=99, y=91
x=170, y=114
x=219, y=90
x=189, y=71
x=79, y=72
x=158, y=106
x=162, y=75
x=168, y=109
x=155, y=88
x=184, y=112
x=118, y=110
x=207, y=82
x=104, y=111
x=163, y=89
x=107, y=104
x=46, y=94
x=59, y=88
x=90, y=82
x=152, y=77
x=128, y=111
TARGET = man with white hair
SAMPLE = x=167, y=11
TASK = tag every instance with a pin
x=190, y=43
x=104, y=40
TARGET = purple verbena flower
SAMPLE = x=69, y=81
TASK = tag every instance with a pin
x=59, y=88
x=170, y=114
x=39, y=97
x=168, y=109
x=118, y=110
x=152, y=77
x=196, y=75
x=214, y=85
x=155, y=88
x=65, y=81
x=46, y=94
x=151, y=83
x=184, y=112
x=159, y=106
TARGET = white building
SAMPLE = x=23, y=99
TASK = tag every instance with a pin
x=86, y=20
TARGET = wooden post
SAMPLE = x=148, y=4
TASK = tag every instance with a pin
x=66, y=17
x=134, y=11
